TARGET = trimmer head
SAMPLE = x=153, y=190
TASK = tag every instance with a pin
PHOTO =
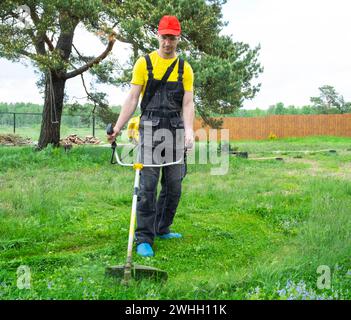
x=137, y=272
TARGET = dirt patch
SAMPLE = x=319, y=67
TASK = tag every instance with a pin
x=14, y=140
x=344, y=171
x=314, y=165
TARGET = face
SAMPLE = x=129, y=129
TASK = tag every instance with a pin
x=168, y=43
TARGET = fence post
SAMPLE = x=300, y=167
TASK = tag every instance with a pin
x=94, y=125
x=14, y=123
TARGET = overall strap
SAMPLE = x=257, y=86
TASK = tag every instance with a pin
x=149, y=95
x=169, y=71
x=149, y=67
x=180, y=70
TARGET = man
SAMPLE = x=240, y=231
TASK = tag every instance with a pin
x=166, y=85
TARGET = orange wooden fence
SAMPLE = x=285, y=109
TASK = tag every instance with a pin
x=285, y=126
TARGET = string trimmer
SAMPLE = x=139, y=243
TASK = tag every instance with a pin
x=131, y=270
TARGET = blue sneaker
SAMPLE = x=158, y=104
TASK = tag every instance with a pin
x=145, y=250
x=170, y=235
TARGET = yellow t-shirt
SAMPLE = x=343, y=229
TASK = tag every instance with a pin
x=160, y=66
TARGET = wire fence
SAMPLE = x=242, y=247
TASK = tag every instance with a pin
x=28, y=124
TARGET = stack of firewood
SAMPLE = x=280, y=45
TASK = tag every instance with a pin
x=14, y=140
x=74, y=139
x=91, y=140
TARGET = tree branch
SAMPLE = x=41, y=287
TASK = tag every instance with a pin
x=36, y=20
x=42, y=37
x=49, y=43
x=122, y=39
x=112, y=40
x=79, y=54
x=90, y=97
x=27, y=54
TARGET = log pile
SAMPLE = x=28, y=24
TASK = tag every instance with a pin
x=91, y=140
x=14, y=140
x=73, y=139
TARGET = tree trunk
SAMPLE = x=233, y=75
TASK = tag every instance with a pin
x=52, y=112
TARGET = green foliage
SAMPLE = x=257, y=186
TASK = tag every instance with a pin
x=329, y=101
x=20, y=107
x=280, y=109
x=223, y=77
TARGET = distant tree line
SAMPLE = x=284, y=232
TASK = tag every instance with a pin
x=328, y=102
x=70, y=109
x=20, y=107
x=74, y=115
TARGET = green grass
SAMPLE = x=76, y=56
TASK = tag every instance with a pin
x=263, y=228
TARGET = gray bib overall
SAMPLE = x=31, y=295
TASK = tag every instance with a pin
x=161, y=132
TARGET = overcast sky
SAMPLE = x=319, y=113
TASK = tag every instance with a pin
x=304, y=44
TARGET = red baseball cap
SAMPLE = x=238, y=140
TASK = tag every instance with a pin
x=169, y=25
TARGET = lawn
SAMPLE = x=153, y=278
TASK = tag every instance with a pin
x=262, y=231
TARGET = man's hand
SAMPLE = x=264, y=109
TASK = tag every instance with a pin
x=189, y=139
x=112, y=137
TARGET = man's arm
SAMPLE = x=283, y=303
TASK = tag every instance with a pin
x=188, y=116
x=127, y=110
